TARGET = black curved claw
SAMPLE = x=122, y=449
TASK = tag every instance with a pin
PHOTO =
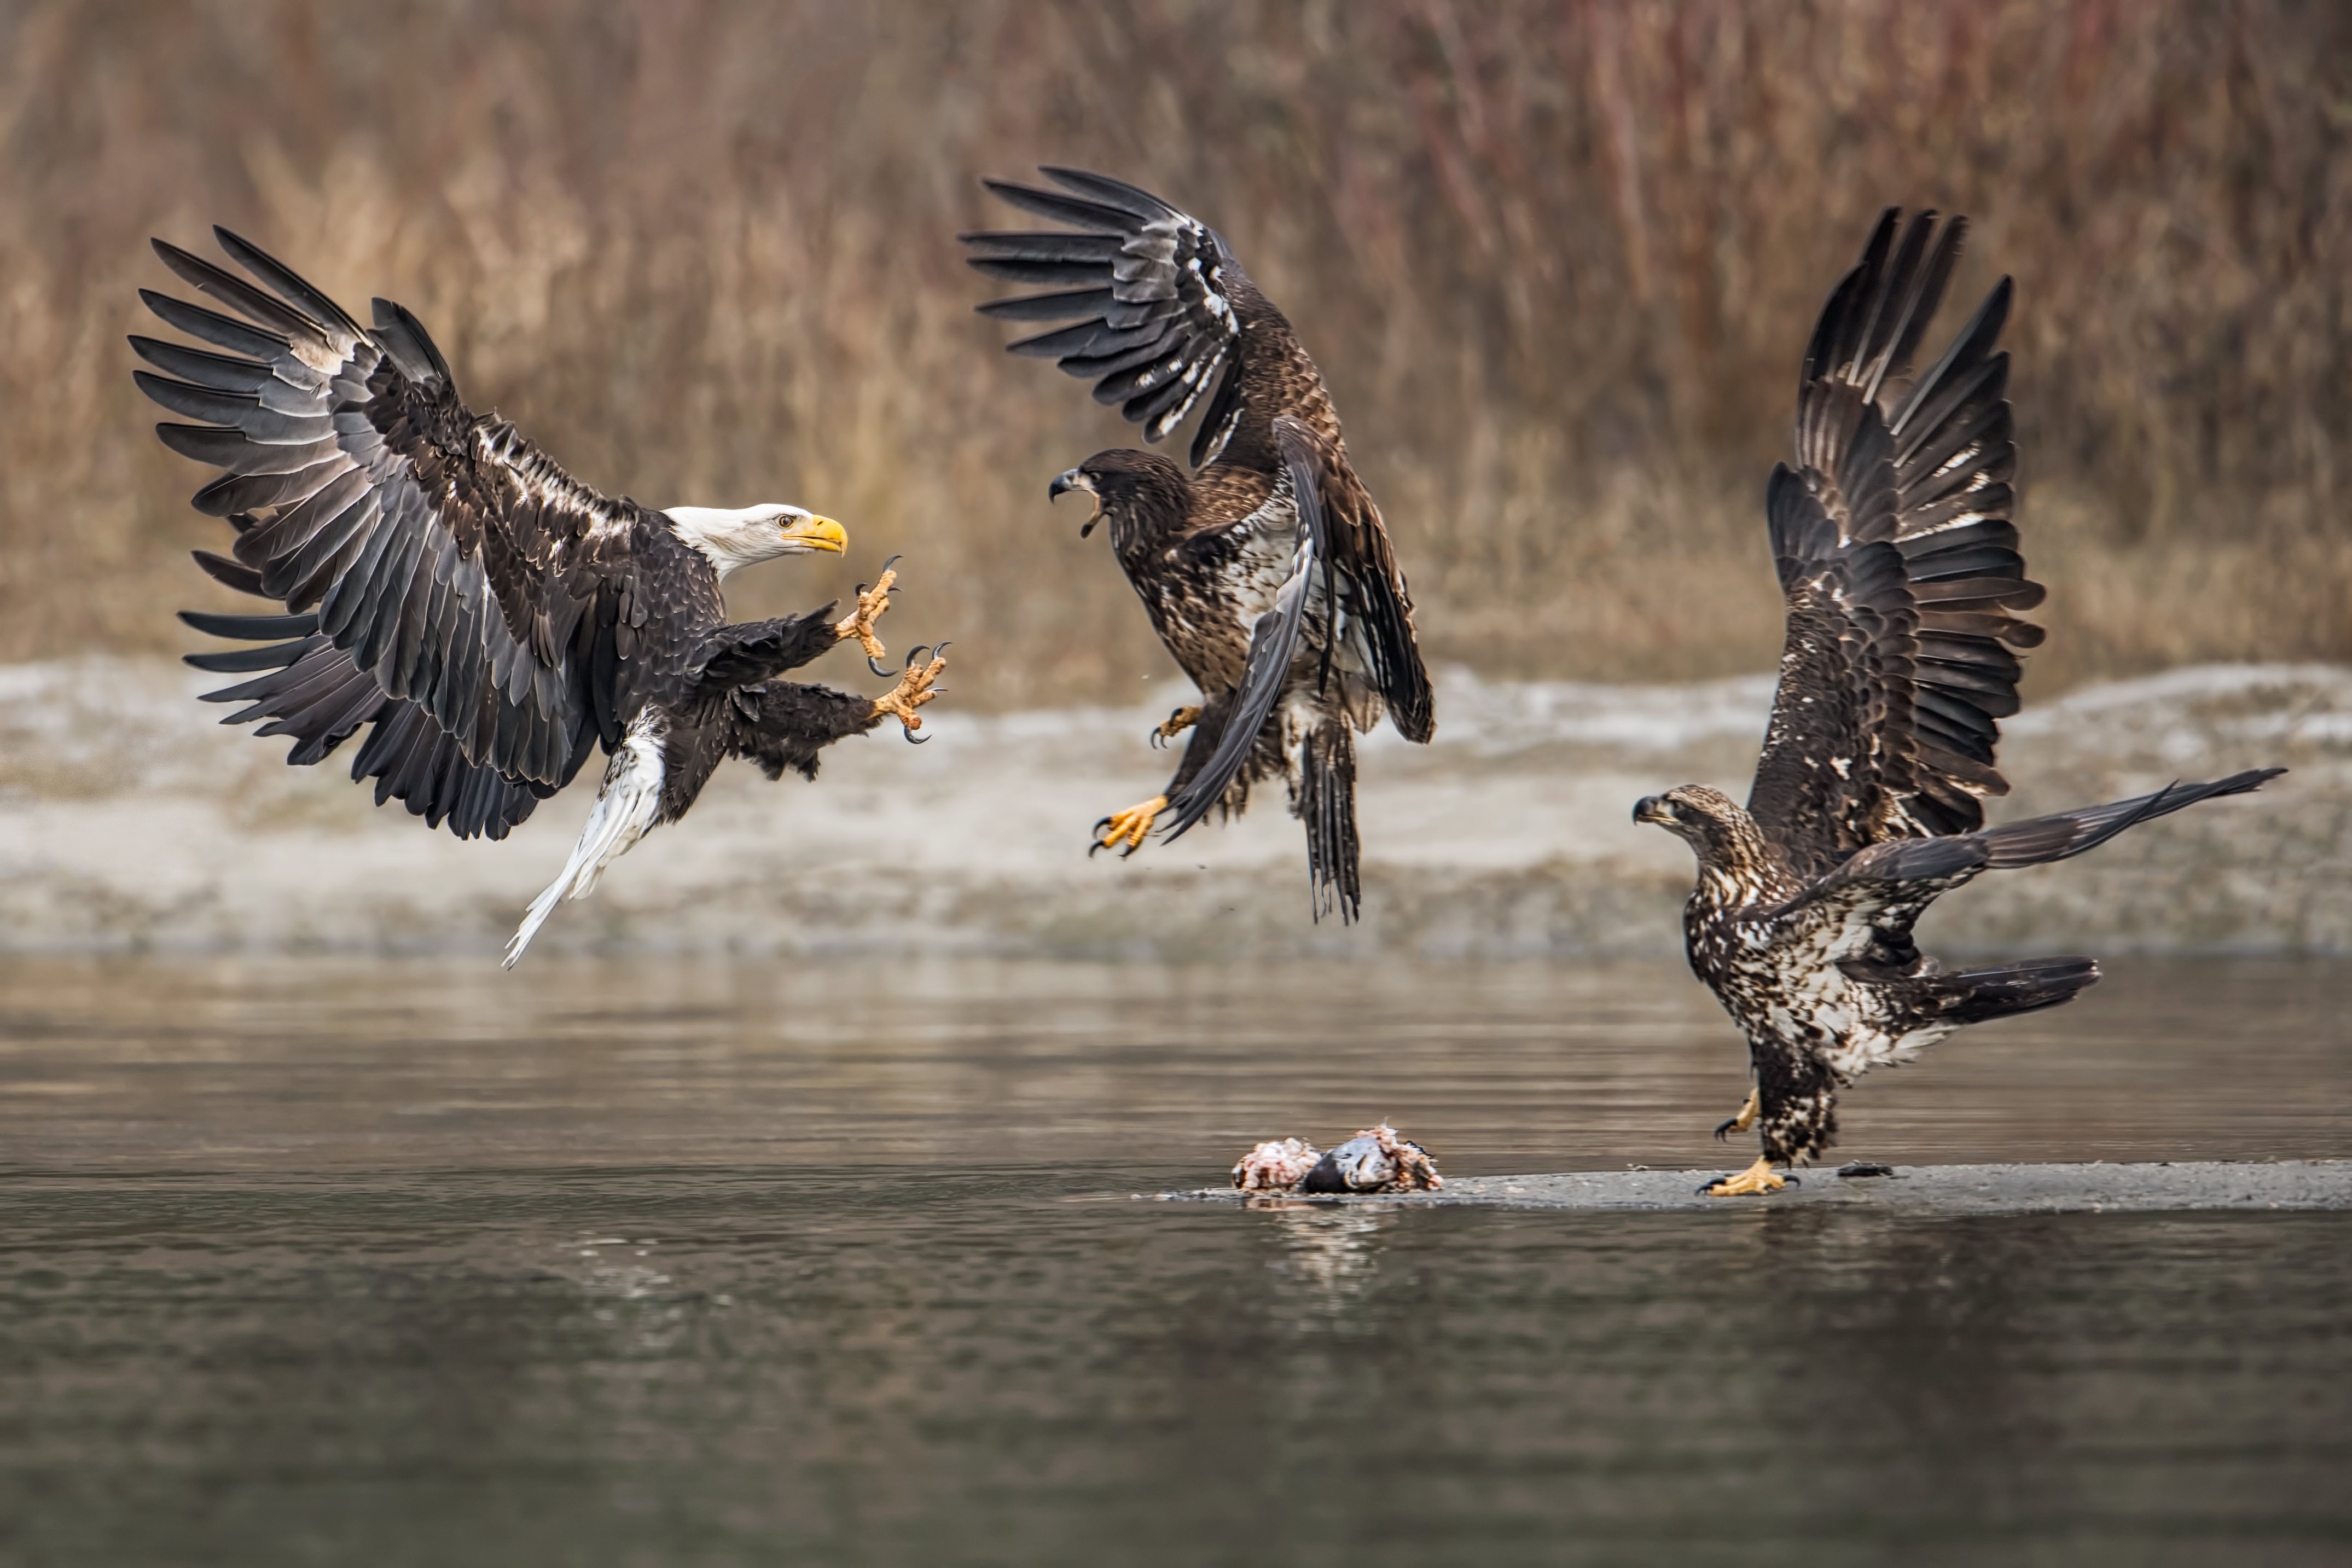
x=941, y=651
x=885, y=568
x=1723, y=1133
x=882, y=670
x=914, y=740
x=913, y=654
x=1099, y=845
x=1706, y=1187
x=1159, y=740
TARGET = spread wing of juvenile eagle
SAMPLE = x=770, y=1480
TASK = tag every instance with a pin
x=1164, y=312
x=1274, y=582
x=1899, y=564
x=441, y=577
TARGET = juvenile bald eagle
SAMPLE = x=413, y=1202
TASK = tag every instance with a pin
x=442, y=579
x=1900, y=569
x=1267, y=571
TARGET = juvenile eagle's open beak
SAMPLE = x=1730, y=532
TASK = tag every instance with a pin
x=1650, y=809
x=819, y=533
x=1076, y=479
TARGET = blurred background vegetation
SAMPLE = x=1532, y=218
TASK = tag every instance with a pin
x=1557, y=261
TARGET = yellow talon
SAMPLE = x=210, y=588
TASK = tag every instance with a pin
x=1746, y=1118
x=871, y=603
x=1759, y=1177
x=1128, y=827
x=1175, y=724
x=914, y=689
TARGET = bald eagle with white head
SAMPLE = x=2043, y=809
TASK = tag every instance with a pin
x=495, y=621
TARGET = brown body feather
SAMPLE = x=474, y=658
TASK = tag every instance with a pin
x=1295, y=641
x=1899, y=564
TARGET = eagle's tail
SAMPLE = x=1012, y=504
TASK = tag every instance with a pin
x=627, y=806
x=1973, y=995
x=1325, y=802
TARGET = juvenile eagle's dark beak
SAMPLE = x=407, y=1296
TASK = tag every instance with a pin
x=1076, y=479
x=1652, y=809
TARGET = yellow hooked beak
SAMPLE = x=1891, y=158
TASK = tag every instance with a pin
x=819, y=533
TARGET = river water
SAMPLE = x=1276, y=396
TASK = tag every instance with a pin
x=836, y=1261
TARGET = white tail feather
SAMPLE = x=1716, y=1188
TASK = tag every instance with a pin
x=626, y=806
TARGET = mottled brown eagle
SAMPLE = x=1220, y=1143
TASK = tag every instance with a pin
x=1266, y=570
x=494, y=619
x=1900, y=569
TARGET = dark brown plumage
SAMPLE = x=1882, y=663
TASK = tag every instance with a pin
x=1267, y=572
x=1900, y=569
x=442, y=580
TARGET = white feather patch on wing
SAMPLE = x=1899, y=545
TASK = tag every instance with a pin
x=626, y=806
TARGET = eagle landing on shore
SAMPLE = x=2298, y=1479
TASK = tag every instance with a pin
x=1266, y=570
x=1900, y=569
x=494, y=620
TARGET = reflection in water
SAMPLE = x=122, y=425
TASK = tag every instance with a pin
x=321, y=1264
x=1333, y=1251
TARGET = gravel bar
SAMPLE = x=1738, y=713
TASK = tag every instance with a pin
x=1909, y=1189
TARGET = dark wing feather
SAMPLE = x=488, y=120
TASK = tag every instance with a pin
x=1164, y=312
x=1866, y=908
x=441, y=555
x=313, y=692
x=1149, y=287
x=1899, y=563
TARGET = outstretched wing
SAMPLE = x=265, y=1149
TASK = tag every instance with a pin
x=307, y=688
x=442, y=555
x=1863, y=910
x=1153, y=291
x=1899, y=565
x=1165, y=309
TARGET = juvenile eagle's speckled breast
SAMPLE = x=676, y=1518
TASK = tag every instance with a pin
x=1204, y=581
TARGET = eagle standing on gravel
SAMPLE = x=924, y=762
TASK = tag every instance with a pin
x=1267, y=571
x=494, y=618
x=1900, y=569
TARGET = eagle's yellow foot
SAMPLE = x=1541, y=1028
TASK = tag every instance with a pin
x=1126, y=828
x=1745, y=1120
x=914, y=688
x=1759, y=1177
x=871, y=603
x=1175, y=724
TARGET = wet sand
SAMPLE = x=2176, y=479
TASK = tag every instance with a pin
x=132, y=822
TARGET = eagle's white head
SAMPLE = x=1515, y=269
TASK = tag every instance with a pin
x=756, y=533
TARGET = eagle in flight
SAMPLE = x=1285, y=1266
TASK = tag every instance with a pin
x=492, y=618
x=1900, y=569
x=1266, y=570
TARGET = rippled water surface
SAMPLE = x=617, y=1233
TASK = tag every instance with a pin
x=837, y=1262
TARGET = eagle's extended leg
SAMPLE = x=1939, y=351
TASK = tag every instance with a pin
x=1128, y=827
x=914, y=687
x=871, y=603
x=1759, y=1177
x=1175, y=724
x=1746, y=1118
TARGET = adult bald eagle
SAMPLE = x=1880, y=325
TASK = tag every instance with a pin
x=1267, y=571
x=1900, y=568
x=493, y=618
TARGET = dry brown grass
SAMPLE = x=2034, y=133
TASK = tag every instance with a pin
x=1557, y=260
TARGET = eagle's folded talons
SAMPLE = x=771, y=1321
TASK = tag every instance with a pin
x=914, y=689
x=1127, y=828
x=1746, y=1118
x=1759, y=1177
x=1175, y=724
x=871, y=603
